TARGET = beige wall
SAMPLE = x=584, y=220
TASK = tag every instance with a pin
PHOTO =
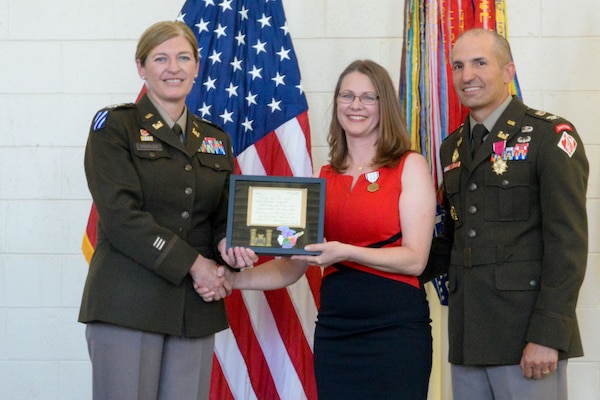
x=62, y=60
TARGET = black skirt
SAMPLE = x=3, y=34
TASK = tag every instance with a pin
x=372, y=339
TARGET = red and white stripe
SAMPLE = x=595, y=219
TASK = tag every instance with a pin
x=267, y=353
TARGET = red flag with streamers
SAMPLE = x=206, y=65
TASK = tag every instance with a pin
x=249, y=84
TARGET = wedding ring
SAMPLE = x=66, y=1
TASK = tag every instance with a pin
x=546, y=372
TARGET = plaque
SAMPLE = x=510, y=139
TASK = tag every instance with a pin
x=275, y=215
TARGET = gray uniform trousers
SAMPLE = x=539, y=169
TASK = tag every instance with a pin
x=129, y=364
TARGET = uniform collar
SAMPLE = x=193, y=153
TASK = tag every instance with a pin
x=491, y=120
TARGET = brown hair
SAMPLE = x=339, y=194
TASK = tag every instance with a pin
x=393, y=139
x=161, y=32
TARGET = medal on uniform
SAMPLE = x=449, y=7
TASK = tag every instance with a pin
x=372, y=178
x=499, y=165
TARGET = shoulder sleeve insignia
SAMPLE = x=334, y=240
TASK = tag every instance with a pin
x=102, y=115
x=567, y=143
x=100, y=120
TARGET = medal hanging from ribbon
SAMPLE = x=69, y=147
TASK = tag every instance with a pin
x=499, y=164
x=372, y=178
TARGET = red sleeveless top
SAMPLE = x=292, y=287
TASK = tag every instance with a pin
x=361, y=217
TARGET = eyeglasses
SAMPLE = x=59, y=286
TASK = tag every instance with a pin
x=367, y=99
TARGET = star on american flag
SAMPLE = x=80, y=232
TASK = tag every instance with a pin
x=249, y=81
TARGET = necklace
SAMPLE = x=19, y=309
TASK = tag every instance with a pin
x=361, y=167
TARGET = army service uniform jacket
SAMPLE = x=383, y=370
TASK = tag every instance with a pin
x=516, y=233
x=160, y=203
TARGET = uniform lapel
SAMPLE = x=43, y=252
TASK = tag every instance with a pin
x=193, y=135
x=153, y=122
x=507, y=126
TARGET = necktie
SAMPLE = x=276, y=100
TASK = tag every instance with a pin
x=179, y=132
x=479, y=132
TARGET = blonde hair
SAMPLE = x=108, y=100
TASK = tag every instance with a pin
x=161, y=32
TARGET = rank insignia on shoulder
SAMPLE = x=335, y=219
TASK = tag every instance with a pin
x=212, y=124
x=123, y=105
x=100, y=120
x=543, y=115
x=568, y=144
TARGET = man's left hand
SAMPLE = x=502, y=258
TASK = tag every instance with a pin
x=538, y=361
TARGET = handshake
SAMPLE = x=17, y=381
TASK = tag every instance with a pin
x=214, y=282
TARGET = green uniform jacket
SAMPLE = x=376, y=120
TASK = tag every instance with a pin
x=160, y=203
x=515, y=241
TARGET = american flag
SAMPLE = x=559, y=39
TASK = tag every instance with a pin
x=249, y=84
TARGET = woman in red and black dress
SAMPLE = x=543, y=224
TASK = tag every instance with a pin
x=373, y=336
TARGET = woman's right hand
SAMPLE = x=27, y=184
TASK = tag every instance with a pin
x=210, y=294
